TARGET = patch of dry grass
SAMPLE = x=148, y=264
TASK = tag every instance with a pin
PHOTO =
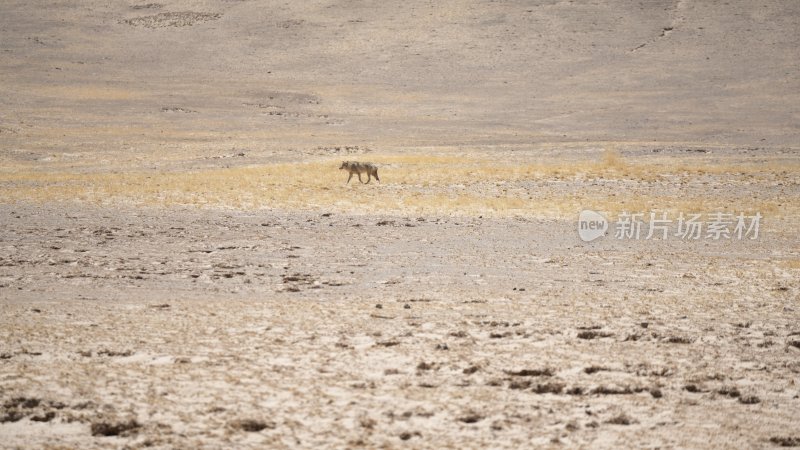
x=411, y=184
x=791, y=263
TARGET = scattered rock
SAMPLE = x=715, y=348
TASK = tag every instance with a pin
x=46, y=417
x=499, y=335
x=251, y=425
x=604, y=390
x=549, y=388
x=408, y=435
x=425, y=366
x=621, y=419
x=693, y=388
x=11, y=416
x=112, y=353
x=57, y=405
x=367, y=422
x=22, y=402
x=547, y=372
x=594, y=334
x=786, y=441
x=470, y=418
x=114, y=428
x=656, y=393
x=520, y=384
x=749, y=400
x=470, y=370
x=594, y=369
x=729, y=392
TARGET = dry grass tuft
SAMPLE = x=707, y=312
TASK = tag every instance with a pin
x=612, y=159
x=791, y=263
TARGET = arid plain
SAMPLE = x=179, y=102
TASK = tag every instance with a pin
x=183, y=266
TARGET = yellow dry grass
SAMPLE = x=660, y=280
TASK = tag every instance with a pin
x=791, y=263
x=412, y=184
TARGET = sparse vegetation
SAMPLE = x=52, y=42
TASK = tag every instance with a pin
x=183, y=266
x=413, y=183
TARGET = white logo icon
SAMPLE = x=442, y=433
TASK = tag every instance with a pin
x=591, y=225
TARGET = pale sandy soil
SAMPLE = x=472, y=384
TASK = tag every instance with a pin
x=182, y=265
x=351, y=331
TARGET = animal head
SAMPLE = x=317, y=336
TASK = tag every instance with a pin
x=344, y=165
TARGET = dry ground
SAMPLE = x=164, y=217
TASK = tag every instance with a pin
x=372, y=330
x=182, y=266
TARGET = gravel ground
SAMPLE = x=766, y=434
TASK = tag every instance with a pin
x=219, y=328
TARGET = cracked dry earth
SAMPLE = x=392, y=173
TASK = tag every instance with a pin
x=232, y=329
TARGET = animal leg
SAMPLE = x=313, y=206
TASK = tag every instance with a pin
x=359, y=177
x=348, y=178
